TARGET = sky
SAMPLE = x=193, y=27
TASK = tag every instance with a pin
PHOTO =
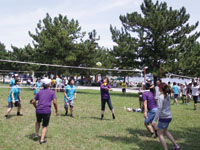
x=17, y=17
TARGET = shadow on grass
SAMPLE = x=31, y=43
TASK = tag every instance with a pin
x=139, y=137
x=96, y=118
x=33, y=138
x=134, y=95
x=11, y=116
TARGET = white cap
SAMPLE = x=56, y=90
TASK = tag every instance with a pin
x=46, y=81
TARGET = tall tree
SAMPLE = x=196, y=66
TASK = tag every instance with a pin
x=190, y=62
x=162, y=34
x=55, y=41
x=124, y=53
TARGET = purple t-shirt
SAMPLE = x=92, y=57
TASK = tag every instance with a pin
x=149, y=96
x=105, y=93
x=44, y=98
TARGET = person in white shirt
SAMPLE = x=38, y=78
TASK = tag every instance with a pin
x=184, y=92
x=157, y=91
x=195, y=94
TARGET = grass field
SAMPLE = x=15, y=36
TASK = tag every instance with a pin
x=87, y=132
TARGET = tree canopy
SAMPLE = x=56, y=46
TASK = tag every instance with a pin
x=162, y=34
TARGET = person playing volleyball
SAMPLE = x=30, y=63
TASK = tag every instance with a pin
x=14, y=99
x=69, y=97
x=105, y=87
x=164, y=116
x=43, y=108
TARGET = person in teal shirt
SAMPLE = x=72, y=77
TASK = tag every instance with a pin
x=176, y=93
x=38, y=85
x=12, y=82
x=69, y=97
x=14, y=99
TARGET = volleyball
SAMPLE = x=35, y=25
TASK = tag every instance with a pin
x=99, y=64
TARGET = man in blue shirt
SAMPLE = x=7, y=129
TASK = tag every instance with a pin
x=38, y=85
x=69, y=97
x=14, y=99
x=176, y=93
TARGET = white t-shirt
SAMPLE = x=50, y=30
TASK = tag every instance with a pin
x=195, y=91
x=184, y=90
x=157, y=92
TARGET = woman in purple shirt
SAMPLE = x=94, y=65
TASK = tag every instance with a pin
x=43, y=108
x=105, y=97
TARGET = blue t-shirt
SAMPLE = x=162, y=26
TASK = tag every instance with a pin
x=70, y=90
x=175, y=89
x=16, y=91
x=38, y=85
x=12, y=82
x=58, y=81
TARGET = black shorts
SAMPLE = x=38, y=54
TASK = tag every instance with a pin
x=11, y=105
x=44, y=118
x=195, y=98
x=123, y=90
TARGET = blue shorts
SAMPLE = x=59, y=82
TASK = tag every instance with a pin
x=175, y=96
x=150, y=115
x=163, y=125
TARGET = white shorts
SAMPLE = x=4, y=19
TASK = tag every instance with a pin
x=69, y=103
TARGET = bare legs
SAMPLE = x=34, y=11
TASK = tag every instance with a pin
x=175, y=101
x=150, y=129
x=37, y=128
x=195, y=106
x=162, y=139
x=8, y=111
x=44, y=131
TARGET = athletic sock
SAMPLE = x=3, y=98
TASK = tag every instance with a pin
x=66, y=113
x=156, y=134
x=113, y=115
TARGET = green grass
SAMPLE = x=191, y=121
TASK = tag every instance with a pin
x=87, y=132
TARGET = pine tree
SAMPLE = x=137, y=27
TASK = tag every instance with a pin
x=162, y=35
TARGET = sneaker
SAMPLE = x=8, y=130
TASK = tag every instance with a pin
x=66, y=114
x=177, y=147
x=72, y=115
x=18, y=114
x=6, y=116
x=42, y=142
